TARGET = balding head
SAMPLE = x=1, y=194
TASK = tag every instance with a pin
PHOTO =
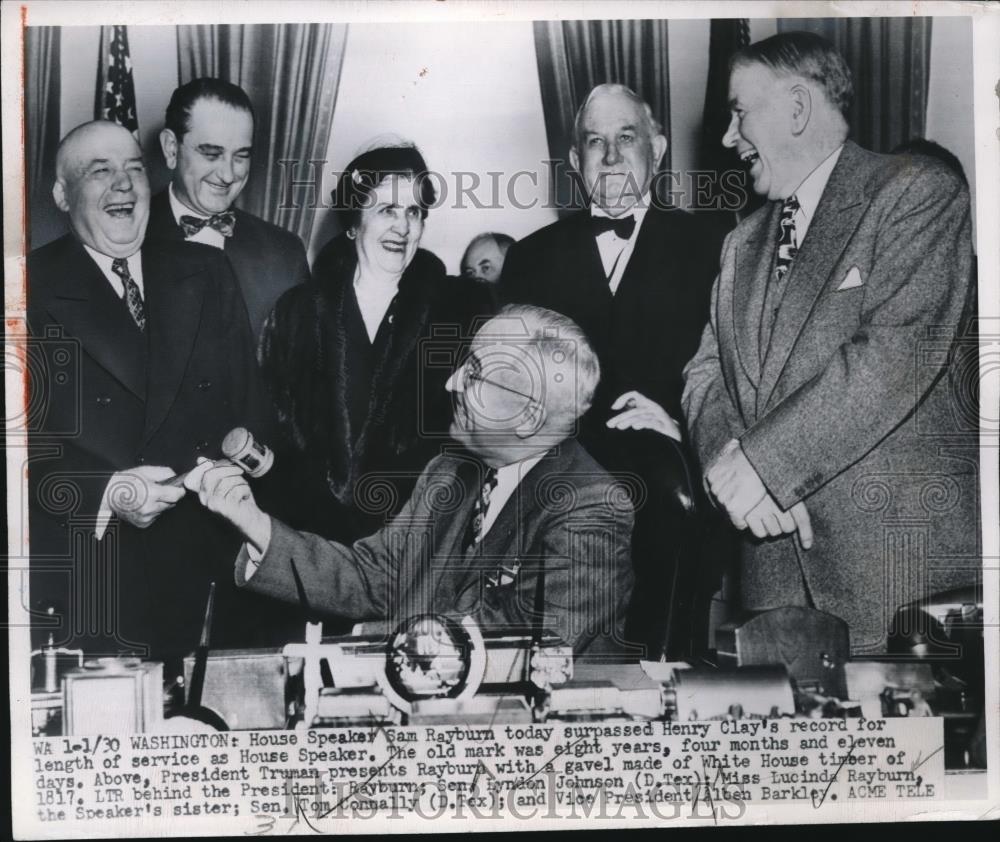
x=484, y=257
x=530, y=374
x=101, y=183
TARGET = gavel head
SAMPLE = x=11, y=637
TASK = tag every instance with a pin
x=242, y=449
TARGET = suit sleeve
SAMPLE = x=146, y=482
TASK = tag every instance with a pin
x=62, y=471
x=874, y=382
x=712, y=418
x=361, y=581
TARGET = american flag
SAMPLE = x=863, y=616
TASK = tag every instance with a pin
x=115, y=89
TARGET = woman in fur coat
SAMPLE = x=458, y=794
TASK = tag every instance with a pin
x=357, y=360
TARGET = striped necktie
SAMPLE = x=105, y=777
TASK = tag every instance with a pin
x=132, y=296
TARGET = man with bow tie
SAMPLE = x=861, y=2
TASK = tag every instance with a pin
x=207, y=143
x=145, y=361
x=636, y=275
x=819, y=401
x=519, y=529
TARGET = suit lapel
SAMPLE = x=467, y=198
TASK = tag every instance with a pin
x=645, y=242
x=174, y=296
x=453, y=567
x=241, y=248
x=161, y=219
x=589, y=279
x=837, y=216
x=542, y=488
x=752, y=272
x=86, y=306
x=510, y=532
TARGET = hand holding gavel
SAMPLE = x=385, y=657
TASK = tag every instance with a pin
x=239, y=448
x=222, y=488
x=222, y=485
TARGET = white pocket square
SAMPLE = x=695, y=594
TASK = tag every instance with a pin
x=851, y=280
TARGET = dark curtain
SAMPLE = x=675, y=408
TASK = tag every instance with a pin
x=291, y=73
x=727, y=191
x=574, y=56
x=41, y=126
x=889, y=59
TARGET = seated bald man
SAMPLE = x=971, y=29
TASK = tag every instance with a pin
x=519, y=500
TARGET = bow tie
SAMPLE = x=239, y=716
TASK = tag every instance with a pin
x=623, y=226
x=222, y=222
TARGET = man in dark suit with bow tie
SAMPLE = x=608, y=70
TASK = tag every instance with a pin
x=820, y=400
x=147, y=362
x=207, y=143
x=636, y=275
x=520, y=529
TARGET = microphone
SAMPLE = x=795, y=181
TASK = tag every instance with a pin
x=240, y=448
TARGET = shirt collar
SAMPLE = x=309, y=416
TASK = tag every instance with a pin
x=508, y=479
x=105, y=261
x=811, y=190
x=510, y=475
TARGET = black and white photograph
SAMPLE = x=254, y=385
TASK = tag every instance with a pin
x=442, y=417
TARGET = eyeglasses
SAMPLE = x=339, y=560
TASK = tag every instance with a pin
x=472, y=372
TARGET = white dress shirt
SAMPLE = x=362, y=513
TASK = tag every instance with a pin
x=134, y=269
x=810, y=192
x=615, y=252
x=207, y=235
x=508, y=479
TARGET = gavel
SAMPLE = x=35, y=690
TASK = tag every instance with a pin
x=239, y=448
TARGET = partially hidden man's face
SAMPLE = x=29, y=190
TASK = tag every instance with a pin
x=211, y=162
x=483, y=262
x=102, y=185
x=760, y=128
x=497, y=394
x=615, y=152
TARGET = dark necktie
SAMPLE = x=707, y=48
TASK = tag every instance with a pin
x=222, y=222
x=475, y=531
x=623, y=226
x=787, y=241
x=132, y=296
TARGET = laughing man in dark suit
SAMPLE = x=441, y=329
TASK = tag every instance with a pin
x=208, y=142
x=155, y=362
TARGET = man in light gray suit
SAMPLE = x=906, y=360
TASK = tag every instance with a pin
x=819, y=398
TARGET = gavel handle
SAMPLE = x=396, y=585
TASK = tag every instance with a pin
x=177, y=480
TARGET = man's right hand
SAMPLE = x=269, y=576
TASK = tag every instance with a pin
x=137, y=497
x=222, y=488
